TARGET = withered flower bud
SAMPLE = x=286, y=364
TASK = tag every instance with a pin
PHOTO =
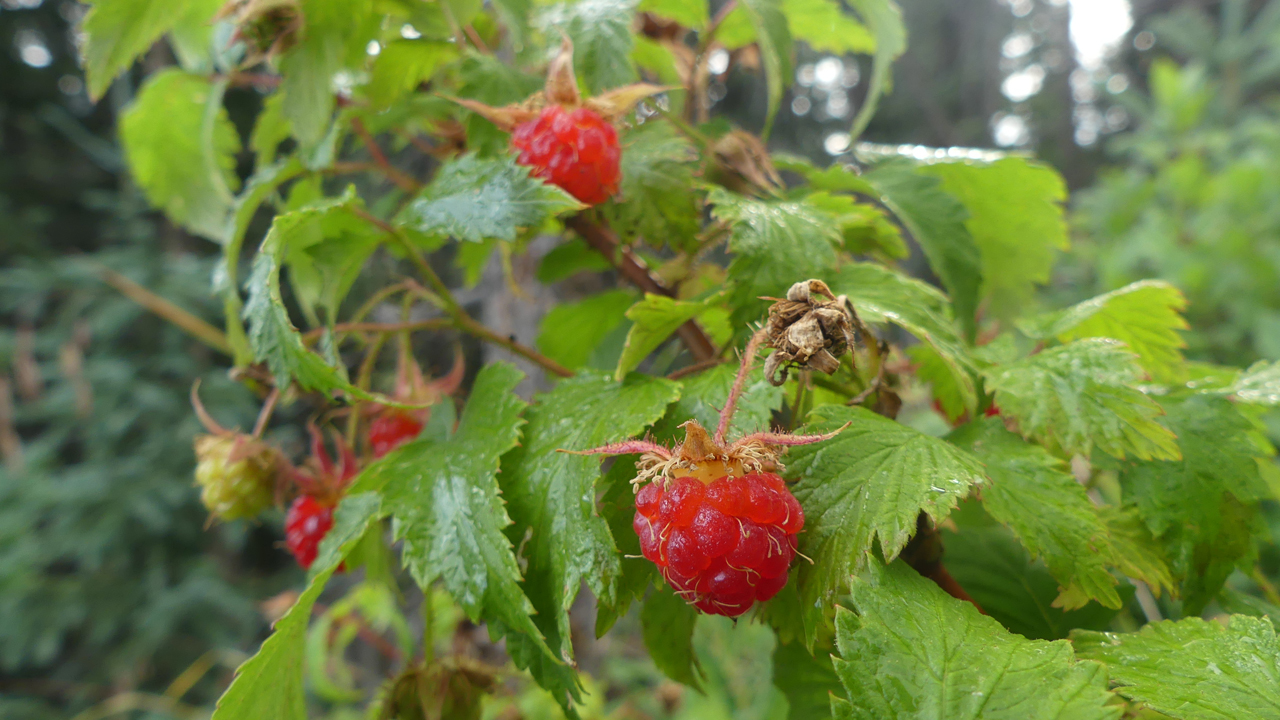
x=811, y=328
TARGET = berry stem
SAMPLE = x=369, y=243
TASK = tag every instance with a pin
x=264, y=415
x=604, y=241
x=730, y=405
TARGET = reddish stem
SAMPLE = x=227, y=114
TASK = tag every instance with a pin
x=730, y=405
x=606, y=242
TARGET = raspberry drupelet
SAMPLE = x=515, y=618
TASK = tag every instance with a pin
x=573, y=148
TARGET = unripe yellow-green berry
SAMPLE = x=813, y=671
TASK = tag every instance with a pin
x=236, y=475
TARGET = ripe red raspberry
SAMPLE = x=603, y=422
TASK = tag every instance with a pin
x=722, y=544
x=392, y=429
x=576, y=149
x=306, y=524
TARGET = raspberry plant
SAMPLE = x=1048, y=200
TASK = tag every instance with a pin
x=1054, y=558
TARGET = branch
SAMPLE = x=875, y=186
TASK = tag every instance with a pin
x=604, y=241
x=440, y=296
x=401, y=180
x=197, y=328
x=433, y=324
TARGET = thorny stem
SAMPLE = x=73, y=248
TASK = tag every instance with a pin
x=748, y=359
x=604, y=241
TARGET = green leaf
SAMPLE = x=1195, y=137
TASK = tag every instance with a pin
x=551, y=495
x=270, y=129
x=403, y=65
x=191, y=36
x=1259, y=385
x=514, y=15
x=808, y=681
x=653, y=319
x=1137, y=554
x=118, y=31
x=655, y=201
x=570, y=258
x=270, y=684
x=1035, y=495
x=937, y=222
x=325, y=252
x=1194, y=669
x=667, y=622
x=825, y=26
x=993, y=567
x=704, y=394
x=776, y=243
x=570, y=332
x=272, y=335
x=915, y=652
x=618, y=508
x=1146, y=316
x=601, y=35
x=866, y=228
x=932, y=368
x=335, y=31
x=474, y=199
x=1201, y=506
x=868, y=483
x=1081, y=395
x=181, y=149
x=1016, y=219
x=884, y=20
x=449, y=513
x=692, y=15
x=774, y=40
x=881, y=295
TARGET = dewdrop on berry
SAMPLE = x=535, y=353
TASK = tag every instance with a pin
x=716, y=518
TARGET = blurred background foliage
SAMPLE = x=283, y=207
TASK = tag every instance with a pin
x=1161, y=114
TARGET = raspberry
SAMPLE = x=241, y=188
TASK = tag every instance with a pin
x=576, y=149
x=392, y=429
x=306, y=524
x=722, y=544
x=236, y=475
